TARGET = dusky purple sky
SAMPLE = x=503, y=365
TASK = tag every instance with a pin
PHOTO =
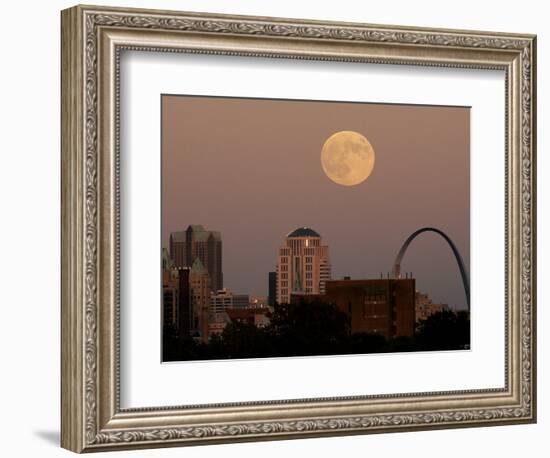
x=251, y=169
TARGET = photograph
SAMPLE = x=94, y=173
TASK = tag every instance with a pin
x=313, y=227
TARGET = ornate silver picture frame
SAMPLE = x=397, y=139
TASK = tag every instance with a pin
x=93, y=39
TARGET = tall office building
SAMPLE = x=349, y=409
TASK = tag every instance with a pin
x=272, y=288
x=197, y=242
x=170, y=298
x=184, y=302
x=303, y=265
x=199, y=279
x=170, y=291
x=176, y=300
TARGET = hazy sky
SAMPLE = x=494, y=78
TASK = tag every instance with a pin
x=251, y=169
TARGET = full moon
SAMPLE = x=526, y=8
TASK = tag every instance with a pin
x=347, y=158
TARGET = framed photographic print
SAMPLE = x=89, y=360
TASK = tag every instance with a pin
x=277, y=228
x=273, y=282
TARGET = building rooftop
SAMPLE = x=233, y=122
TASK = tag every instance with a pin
x=303, y=232
x=200, y=234
x=246, y=313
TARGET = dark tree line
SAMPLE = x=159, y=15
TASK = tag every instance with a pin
x=316, y=328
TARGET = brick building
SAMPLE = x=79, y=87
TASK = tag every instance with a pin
x=424, y=307
x=377, y=306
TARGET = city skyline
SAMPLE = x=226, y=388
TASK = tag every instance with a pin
x=300, y=243
x=421, y=178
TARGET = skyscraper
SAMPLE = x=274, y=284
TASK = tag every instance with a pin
x=303, y=265
x=184, y=302
x=200, y=297
x=272, y=288
x=197, y=242
x=176, y=300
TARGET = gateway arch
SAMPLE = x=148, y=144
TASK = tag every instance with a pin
x=397, y=263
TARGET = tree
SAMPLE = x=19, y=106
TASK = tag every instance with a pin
x=446, y=330
x=179, y=349
x=308, y=328
x=245, y=340
x=363, y=342
x=316, y=328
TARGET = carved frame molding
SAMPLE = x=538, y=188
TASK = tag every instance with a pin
x=92, y=39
